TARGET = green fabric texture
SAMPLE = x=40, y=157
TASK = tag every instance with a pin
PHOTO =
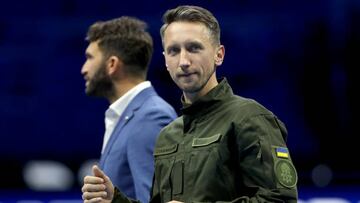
x=222, y=150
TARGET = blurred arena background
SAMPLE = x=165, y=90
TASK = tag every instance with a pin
x=298, y=58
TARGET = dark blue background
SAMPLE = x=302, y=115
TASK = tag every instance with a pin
x=298, y=58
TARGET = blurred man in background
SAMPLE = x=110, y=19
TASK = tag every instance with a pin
x=117, y=61
x=224, y=148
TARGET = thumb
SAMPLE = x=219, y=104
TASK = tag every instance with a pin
x=98, y=172
x=109, y=187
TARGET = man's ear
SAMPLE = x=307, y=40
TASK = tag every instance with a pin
x=113, y=65
x=167, y=67
x=219, y=56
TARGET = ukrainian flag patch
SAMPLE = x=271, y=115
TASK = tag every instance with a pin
x=282, y=152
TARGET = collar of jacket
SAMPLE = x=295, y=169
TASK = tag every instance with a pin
x=209, y=101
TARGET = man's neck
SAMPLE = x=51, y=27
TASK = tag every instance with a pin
x=191, y=97
x=122, y=87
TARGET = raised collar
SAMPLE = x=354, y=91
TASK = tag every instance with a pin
x=209, y=101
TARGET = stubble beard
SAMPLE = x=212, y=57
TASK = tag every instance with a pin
x=197, y=87
x=100, y=85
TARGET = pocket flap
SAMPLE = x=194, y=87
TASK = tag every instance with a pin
x=199, y=142
x=165, y=150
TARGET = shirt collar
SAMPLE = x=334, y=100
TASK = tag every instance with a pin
x=208, y=101
x=119, y=106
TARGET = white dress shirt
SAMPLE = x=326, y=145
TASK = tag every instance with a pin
x=113, y=113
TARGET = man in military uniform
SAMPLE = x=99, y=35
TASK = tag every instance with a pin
x=225, y=148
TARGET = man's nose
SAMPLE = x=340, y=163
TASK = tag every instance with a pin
x=83, y=70
x=184, y=60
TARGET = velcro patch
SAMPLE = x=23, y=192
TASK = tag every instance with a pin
x=282, y=152
x=285, y=173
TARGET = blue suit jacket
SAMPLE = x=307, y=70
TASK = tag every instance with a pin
x=128, y=156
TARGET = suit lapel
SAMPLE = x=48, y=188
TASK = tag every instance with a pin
x=127, y=115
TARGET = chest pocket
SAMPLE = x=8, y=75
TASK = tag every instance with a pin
x=165, y=150
x=206, y=141
x=208, y=156
x=164, y=164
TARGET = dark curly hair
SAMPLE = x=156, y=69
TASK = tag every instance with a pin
x=125, y=37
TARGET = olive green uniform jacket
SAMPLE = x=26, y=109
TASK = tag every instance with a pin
x=224, y=148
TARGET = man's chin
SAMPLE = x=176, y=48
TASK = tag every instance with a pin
x=190, y=89
x=90, y=92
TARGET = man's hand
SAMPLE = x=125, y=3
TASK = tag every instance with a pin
x=97, y=188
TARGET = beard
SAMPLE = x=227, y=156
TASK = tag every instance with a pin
x=100, y=85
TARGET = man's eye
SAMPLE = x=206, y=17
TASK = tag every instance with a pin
x=172, y=51
x=88, y=56
x=194, y=48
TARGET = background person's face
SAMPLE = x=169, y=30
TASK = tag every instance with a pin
x=190, y=56
x=94, y=71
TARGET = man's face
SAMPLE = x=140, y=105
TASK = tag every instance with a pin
x=191, y=57
x=98, y=82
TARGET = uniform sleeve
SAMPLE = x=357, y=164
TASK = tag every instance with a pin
x=119, y=197
x=140, y=151
x=266, y=171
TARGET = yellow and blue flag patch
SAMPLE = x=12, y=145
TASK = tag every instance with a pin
x=282, y=152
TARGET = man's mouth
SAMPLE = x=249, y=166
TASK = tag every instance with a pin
x=186, y=74
x=87, y=82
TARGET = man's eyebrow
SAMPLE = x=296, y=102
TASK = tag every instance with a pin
x=172, y=46
x=194, y=43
